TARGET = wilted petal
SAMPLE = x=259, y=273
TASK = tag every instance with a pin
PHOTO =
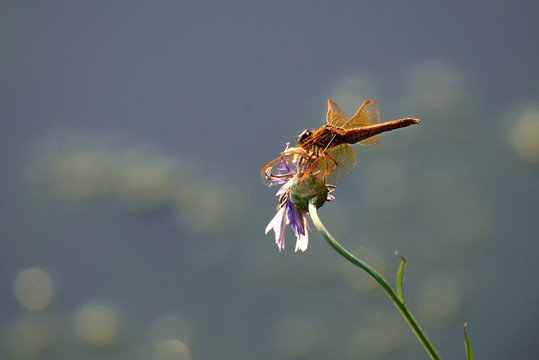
x=302, y=241
x=278, y=224
x=297, y=219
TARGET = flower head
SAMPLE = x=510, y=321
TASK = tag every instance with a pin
x=294, y=195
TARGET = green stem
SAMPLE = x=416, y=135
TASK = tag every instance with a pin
x=379, y=279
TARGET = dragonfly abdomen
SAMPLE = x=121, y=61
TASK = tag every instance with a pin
x=353, y=136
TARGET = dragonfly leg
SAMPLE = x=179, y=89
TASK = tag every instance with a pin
x=310, y=170
x=327, y=172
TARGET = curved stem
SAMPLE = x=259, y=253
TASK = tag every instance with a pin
x=379, y=279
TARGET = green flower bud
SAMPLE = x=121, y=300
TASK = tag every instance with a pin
x=312, y=189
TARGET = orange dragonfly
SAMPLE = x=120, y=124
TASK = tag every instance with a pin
x=326, y=149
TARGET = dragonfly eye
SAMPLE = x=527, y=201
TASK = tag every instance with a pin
x=304, y=136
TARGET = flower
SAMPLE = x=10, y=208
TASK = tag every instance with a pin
x=290, y=214
x=294, y=195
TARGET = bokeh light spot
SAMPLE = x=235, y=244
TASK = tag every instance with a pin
x=172, y=349
x=525, y=135
x=146, y=183
x=29, y=337
x=97, y=324
x=171, y=326
x=34, y=289
x=436, y=85
x=81, y=176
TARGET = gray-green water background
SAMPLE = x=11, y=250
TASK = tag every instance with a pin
x=132, y=215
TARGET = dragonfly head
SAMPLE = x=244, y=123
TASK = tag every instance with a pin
x=304, y=137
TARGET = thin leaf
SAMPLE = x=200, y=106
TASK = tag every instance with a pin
x=467, y=345
x=400, y=275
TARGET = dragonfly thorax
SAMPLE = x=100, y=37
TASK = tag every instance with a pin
x=321, y=138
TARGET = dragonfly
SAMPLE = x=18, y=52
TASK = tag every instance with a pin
x=327, y=149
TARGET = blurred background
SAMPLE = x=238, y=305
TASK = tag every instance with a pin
x=132, y=214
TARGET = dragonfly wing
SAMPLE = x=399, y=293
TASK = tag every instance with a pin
x=368, y=114
x=335, y=115
x=339, y=161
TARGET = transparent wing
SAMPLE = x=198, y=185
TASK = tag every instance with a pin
x=368, y=114
x=336, y=164
x=335, y=115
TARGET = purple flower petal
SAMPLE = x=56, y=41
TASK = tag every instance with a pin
x=278, y=225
